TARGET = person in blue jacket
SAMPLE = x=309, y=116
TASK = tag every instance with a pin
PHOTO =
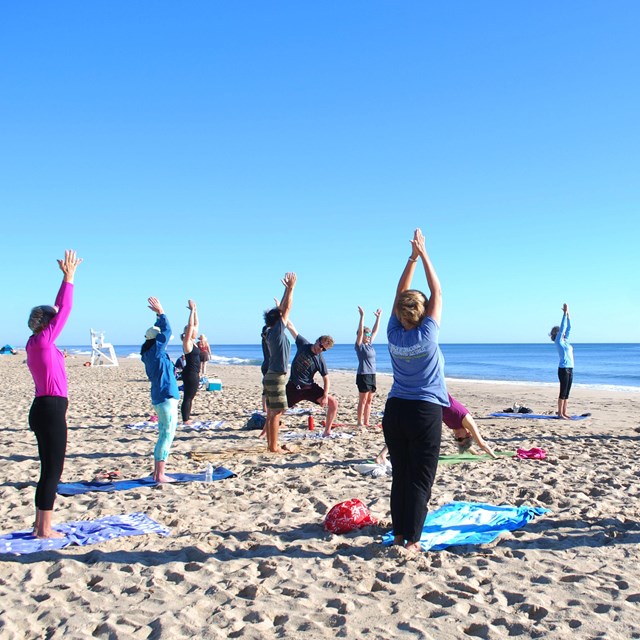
x=560, y=335
x=164, y=388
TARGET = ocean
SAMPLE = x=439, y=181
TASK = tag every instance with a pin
x=597, y=365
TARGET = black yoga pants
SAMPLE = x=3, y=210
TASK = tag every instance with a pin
x=48, y=420
x=412, y=431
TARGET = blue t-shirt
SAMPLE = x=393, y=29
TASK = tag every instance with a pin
x=418, y=363
x=306, y=363
x=565, y=350
x=159, y=367
x=366, y=358
x=279, y=348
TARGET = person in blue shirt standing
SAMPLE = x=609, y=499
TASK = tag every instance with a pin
x=412, y=420
x=164, y=388
x=560, y=335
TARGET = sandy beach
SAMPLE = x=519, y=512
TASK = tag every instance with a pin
x=248, y=557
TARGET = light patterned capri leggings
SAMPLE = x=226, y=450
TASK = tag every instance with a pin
x=167, y=422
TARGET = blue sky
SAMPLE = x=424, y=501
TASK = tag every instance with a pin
x=200, y=150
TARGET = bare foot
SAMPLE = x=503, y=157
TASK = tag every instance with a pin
x=326, y=434
x=283, y=449
x=360, y=424
x=263, y=434
x=413, y=546
x=381, y=460
x=187, y=422
x=398, y=540
x=51, y=533
x=561, y=417
x=163, y=478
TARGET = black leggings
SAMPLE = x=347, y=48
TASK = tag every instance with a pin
x=48, y=420
x=412, y=431
x=190, y=386
x=566, y=379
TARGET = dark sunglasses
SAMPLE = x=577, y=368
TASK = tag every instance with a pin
x=321, y=345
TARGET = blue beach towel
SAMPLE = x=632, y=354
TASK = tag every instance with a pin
x=470, y=523
x=535, y=416
x=82, y=533
x=76, y=488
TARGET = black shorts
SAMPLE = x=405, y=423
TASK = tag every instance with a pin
x=297, y=393
x=366, y=382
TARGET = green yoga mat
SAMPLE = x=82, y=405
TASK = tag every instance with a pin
x=458, y=458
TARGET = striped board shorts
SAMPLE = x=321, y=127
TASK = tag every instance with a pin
x=274, y=385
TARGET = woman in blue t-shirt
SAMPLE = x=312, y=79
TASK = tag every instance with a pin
x=412, y=420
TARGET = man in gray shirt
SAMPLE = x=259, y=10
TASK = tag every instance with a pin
x=274, y=381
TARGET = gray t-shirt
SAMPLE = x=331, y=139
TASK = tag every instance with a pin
x=366, y=358
x=279, y=348
x=306, y=363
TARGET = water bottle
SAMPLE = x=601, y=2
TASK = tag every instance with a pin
x=311, y=424
x=208, y=474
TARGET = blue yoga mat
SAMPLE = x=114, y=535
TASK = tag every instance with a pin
x=535, y=416
x=76, y=488
x=470, y=523
x=82, y=533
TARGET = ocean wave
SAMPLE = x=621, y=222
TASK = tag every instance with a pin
x=231, y=360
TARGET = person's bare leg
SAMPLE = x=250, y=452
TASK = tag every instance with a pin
x=562, y=409
x=273, y=431
x=361, y=402
x=367, y=407
x=159, y=474
x=332, y=410
x=44, y=528
x=381, y=458
x=565, y=411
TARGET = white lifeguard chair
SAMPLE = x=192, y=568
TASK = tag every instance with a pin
x=102, y=353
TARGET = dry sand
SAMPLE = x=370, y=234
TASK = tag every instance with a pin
x=248, y=557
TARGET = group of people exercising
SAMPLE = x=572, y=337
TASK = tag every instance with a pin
x=415, y=408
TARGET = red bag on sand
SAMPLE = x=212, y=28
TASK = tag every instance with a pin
x=347, y=516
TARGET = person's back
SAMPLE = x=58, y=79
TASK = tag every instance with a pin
x=417, y=362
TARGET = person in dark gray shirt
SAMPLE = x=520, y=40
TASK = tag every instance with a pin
x=307, y=362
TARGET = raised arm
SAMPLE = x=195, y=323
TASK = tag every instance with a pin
x=407, y=273
x=360, y=334
x=292, y=330
x=565, y=324
x=434, y=308
x=289, y=282
x=192, y=323
x=376, y=325
x=161, y=321
x=64, y=299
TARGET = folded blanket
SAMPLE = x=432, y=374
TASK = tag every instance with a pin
x=535, y=416
x=76, y=488
x=82, y=533
x=470, y=523
x=316, y=435
x=201, y=425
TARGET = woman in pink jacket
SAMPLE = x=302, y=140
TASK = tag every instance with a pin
x=48, y=414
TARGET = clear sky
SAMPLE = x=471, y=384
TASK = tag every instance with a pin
x=201, y=149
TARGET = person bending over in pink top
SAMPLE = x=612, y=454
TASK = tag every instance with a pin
x=48, y=414
x=465, y=430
